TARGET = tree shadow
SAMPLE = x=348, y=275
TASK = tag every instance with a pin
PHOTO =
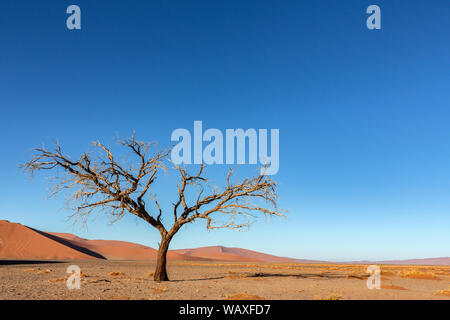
x=282, y=275
x=306, y=275
x=198, y=279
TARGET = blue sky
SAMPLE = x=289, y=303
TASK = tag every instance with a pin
x=363, y=115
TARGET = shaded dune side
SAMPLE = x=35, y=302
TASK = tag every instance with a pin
x=111, y=249
x=70, y=244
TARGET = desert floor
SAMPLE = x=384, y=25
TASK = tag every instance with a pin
x=205, y=280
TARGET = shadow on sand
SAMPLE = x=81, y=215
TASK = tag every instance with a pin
x=26, y=262
x=305, y=275
x=282, y=275
x=199, y=279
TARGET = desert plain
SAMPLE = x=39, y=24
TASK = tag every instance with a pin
x=104, y=280
x=34, y=265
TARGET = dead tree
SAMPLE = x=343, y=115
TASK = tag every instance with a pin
x=98, y=181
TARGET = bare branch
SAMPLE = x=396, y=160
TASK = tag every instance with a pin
x=234, y=202
x=99, y=181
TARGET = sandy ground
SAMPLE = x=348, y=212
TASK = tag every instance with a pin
x=202, y=280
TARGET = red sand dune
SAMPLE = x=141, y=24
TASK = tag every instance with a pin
x=21, y=242
x=18, y=242
x=112, y=250
x=120, y=250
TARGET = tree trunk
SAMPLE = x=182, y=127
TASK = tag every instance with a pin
x=160, y=271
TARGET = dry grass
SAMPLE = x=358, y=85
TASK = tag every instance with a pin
x=244, y=296
x=441, y=272
x=135, y=279
x=417, y=274
x=44, y=271
x=227, y=265
x=150, y=274
x=386, y=270
x=159, y=290
x=37, y=270
x=119, y=298
x=116, y=274
x=443, y=293
x=82, y=276
x=330, y=297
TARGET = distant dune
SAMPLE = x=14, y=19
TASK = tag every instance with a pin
x=19, y=242
x=444, y=261
x=237, y=254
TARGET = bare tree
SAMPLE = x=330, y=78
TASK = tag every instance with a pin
x=98, y=181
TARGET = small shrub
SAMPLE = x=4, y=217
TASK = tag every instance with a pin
x=44, y=271
x=159, y=290
x=443, y=293
x=244, y=296
x=330, y=297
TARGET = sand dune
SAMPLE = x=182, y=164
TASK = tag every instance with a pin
x=216, y=253
x=112, y=250
x=18, y=242
x=426, y=261
x=442, y=261
x=236, y=254
x=121, y=250
x=21, y=242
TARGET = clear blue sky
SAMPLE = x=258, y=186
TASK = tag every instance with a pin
x=363, y=115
